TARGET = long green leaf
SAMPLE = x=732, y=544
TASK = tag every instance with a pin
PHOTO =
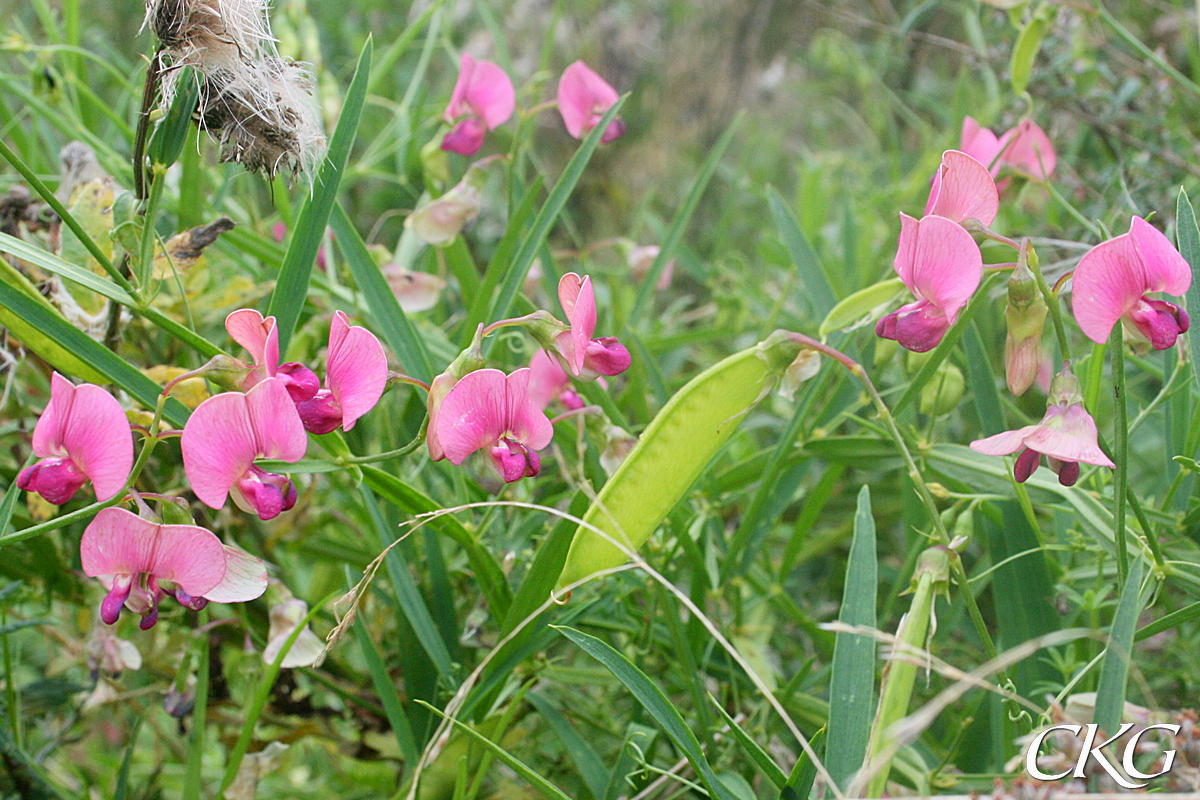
x=1187, y=234
x=812, y=274
x=852, y=678
x=393, y=324
x=52, y=263
x=761, y=759
x=982, y=383
x=92, y=353
x=590, y=767
x=641, y=304
x=514, y=276
x=656, y=704
x=291, y=288
x=804, y=772
x=1114, y=672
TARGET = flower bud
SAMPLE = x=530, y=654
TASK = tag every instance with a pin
x=1026, y=316
x=943, y=391
x=468, y=361
x=438, y=222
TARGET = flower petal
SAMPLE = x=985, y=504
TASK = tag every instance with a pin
x=245, y=578
x=278, y=431
x=257, y=334
x=1029, y=151
x=490, y=94
x=946, y=265
x=526, y=421
x=547, y=378
x=473, y=415
x=981, y=144
x=119, y=542
x=47, y=433
x=578, y=300
x=95, y=434
x=1071, y=437
x=582, y=94
x=1003, y=444
x=1108, y=282
x=457, y=106
x=356, y=369
x=963, y=189
x=219, y=444
x=1165, y=269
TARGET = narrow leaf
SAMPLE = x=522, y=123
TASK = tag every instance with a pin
x=812, y=274
x=291, y=288
x=1025, y=51
x=1110, y=692
x=852, y=680
x=52, y=263
x=656, y=704
x=761, y=759
x=590, y=767
x=982, y=383
x=1187, y=234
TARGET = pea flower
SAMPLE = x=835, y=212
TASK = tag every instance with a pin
x=963, y=189
x=548, y=382
x=260, y=337
x=584, y=356
x=1025, y=149
x=487, y=408
x=1066, y=436
x=82, y=435
x=483, y=100
x=228, y=432
x=583, y=98
x=981, y=144
x=140, y=561
x=355, y=377
x=285, y=617
x=1113, y=280
x=939, y=263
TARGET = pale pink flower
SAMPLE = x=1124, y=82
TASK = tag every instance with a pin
x=584, y=356
x=963, y=189
x=285, y=617
x=1066, y=436
x=483, y=99
x=260, y=337
x=82, y=435
x=642, y=257
x=224, y=436
x=1112, y=282
x=940, y=264
x=548, y=382
x=981, y=144
x=583, y=98
x=355, y=376
x=139, y=561
x=1027, y=149
x=487, y=408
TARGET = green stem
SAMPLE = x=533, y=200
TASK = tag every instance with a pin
x=1073, y=211
x=195, y=752
x=1121, y=452
x=399, y=452
x=149, y=217
x=1051, y=299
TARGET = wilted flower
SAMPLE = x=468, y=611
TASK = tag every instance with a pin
x=306, y=651
x=490, y=409
x=139, y=561
x=82, y=435
x=355, y=377
x=483, y=99
x=439, y=221
x=584, y=356
x=1066, y=435
x=583, y=98
x=228, y=432
x=963, y=189
x=642, y=257
x=415, y=291
x=1113, y=279
x=109, y=654
x=940, y=264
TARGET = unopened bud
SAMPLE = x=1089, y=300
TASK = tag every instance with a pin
x=438, y=222
x=935, y=562
x=943, y=391
x=1026, y=317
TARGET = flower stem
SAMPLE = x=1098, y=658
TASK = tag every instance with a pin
x=1060, y=330
x=1121, y=451
x=399, y=452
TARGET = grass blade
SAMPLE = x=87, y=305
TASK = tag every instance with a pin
x=852, y=681
x=1110, y=692
x=393, y=324
x=804, y=773
x=764, y=762
x=514, y=276
x=812, y=274
x=1187, y=235
x=291, y=288
x=52, y=263
x=982, y=383
x=656, y=704
x=641, y=304
x=590, y=767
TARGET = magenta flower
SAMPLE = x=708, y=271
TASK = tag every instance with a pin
x=483, y=100
x=82, y=435
x=487, y=408
x=355, y=376
x=584, y=356
x=139, y=561
x=548, y=382
x=260, y=337
x=1066, y=436
x=963, y=189
x=940, y=264
x=224, y=436
x=583, y=98
x=1113, y=279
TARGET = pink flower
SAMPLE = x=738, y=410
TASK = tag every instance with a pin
x=1113, y=279
x=82, y=435
x=487, y=408
x=134, y=557
x=963, y=189
x=260, y=337
x=642, y=257
x=1028, y=150
x=583, y=97
x=940, y=264
x=355, y=376
x=224, y=436
x=483, y=99
x=548, y=382
x=981, y=144
x=1066, y=435
x=584, y=356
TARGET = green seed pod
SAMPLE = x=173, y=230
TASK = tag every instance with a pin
x=672, y=452
x=943, y=391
